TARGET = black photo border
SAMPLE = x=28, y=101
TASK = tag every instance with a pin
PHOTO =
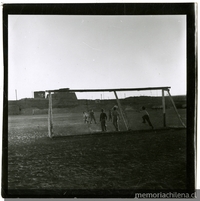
x=187, y=9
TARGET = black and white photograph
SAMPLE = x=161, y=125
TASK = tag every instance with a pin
x=99, y=100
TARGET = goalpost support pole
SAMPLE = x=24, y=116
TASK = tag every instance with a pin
x=164, y=110
x=176, y=109
x=50, y=122
x=120, y=109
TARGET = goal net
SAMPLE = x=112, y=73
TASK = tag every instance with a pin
x=77, y=112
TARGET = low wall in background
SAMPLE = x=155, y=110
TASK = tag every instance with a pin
x=40, y=106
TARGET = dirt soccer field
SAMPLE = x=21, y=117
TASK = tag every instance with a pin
x=140, y=159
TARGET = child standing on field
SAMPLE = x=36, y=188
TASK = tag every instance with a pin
x=85, y=117
x=115, y=118
x=103, y=118
x=145, y=117
x=92, y=117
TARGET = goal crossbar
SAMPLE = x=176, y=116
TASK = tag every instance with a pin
x=109, y=90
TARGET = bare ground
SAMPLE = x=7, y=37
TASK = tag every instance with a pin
x=152, y=159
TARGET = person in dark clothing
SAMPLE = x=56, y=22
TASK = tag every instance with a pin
x=103, y=118
x=145, y=117
x=92, y=117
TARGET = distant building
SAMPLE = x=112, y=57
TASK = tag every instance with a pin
x=62, y=99
x=39, y=94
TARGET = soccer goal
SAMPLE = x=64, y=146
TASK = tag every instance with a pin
x=79, y=111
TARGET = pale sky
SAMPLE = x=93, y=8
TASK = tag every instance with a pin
x=48, y=52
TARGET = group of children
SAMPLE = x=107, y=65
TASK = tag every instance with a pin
x=89, y=117
x=114, y=117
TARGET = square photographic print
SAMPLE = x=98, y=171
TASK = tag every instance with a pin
x=99, y=100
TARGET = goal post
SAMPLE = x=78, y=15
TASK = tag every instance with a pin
x=123, y=115
x=164, y=109
x=50, y=117
x=120, y=109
